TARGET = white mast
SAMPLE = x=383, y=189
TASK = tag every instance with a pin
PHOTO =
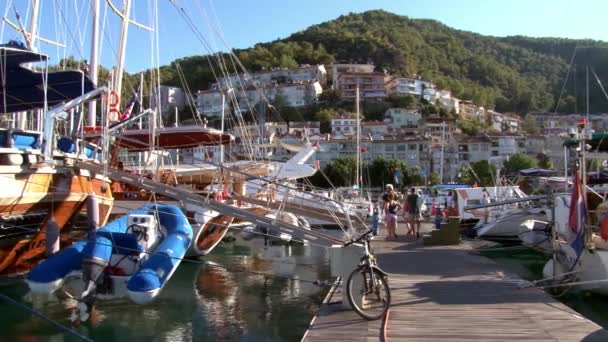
x=120, y=59
x=442, y=150
x=22, y=116
x=358, y=138
x=93, y=68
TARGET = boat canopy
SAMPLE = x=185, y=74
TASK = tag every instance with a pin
x=22, y=88
x=172, y=138
x=535, y=171
x=450, y=186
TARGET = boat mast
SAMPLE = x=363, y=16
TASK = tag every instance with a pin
x=93, y=68
x=358, y=138
x=22, y=116
x=442, y=150
x=120, y=59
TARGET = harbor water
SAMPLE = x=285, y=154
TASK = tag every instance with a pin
x=243, y=291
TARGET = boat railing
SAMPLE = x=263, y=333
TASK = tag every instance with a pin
x=506, y=202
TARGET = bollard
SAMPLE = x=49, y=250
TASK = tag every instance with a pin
x=52, y=237
x=343, y=260
x=92, y=213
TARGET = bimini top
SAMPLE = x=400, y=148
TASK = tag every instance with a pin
x=535, y=171
x=22, y=89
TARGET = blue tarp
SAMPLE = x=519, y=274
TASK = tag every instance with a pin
x=22, y=89
x=450, y=186
x=535, y=171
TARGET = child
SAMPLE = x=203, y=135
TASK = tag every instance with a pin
x=375, y=221
x=438, y=217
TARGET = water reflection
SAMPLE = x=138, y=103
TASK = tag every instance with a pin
x=233, y=294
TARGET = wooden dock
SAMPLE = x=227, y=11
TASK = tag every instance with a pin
x=448, y=293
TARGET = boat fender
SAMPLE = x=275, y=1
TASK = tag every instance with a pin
x=92, y=212
x=52, y=237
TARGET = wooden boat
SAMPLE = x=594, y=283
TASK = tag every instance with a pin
x=34, y=192
x=212, y=233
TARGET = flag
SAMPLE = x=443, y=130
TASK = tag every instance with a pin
x=576, y=216
x=364, y=149
x=129, y=108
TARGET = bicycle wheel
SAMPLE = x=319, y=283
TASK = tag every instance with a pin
x=370, y=301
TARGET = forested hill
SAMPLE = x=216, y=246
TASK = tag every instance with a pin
x=517, y=74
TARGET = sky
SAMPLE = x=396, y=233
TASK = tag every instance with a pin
x=243, y=23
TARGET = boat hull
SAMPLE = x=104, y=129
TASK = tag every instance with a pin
x=34, y=197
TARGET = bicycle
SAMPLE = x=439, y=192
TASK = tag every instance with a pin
x=374, y=298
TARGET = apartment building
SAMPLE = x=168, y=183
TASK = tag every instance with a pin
x=344, y=126
x=339, y=68
x=170, y=98
x=408, y=86
x=402, y=118
x=263, y=79
x=372, y=85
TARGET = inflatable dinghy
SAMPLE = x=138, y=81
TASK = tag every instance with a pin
x=133, y=256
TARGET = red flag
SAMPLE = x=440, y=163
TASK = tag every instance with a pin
x=364, y=149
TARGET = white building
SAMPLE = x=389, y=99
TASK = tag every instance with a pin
x=402, y=118
x=344, y=126
x=303, y=74
x=296, y=94
x=170, y=98
x=377, y=129
x=305, y=127
x=209, y=102
x=408, y=86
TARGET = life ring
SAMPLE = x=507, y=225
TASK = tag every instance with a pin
x=114, y=114
x=113, y=99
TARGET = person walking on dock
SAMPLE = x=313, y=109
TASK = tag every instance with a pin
x=390, y=208
x=413, y=204
x=388, y=189
x=485, y=199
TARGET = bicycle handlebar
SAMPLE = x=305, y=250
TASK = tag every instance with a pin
x=364, y=235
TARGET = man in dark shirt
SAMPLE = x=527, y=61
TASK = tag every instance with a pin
x=413, y=212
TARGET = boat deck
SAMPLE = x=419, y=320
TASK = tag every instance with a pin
x=449, y=293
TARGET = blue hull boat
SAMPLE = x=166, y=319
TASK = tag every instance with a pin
x=133, y=256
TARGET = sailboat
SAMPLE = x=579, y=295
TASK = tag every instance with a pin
x=580, y=241
x=41, y=186
x=354, y=198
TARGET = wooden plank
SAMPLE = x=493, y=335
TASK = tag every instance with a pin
x=450, y=294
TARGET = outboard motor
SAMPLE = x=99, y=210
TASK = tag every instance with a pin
x=96, y=257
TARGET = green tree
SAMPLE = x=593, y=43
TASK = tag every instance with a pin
x=470, y=127
x=433, y=179
x=324, y=116
x=402, y=101
x=481, y=173
x=341, y=171
x=529, y=125
x=382, y=171
x=544, y=162
x=518, y=161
